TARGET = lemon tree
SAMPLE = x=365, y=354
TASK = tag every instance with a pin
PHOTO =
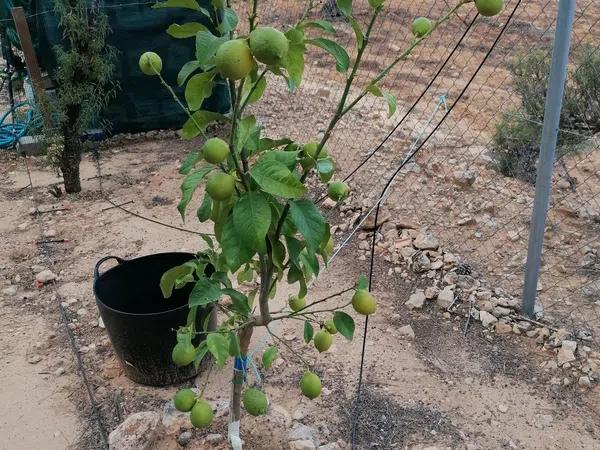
x=267, y=229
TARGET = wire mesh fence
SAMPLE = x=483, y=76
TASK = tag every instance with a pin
x=458, y=186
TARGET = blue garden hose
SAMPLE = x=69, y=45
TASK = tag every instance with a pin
x=11, y=132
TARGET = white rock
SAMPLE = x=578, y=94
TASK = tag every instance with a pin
x=464, y=177
x=487, y=319
x=566, y=353
x=214, y=438
x=406, y=331
x=302, y=432
x=302, y=445
x=9, y=291
x=431, y=292
x=330, y=446
x=585, y=382
x=446, y=297
x=101, y=323
x=50, y=233
x=502, y=408
x=426, y=241
x=138, y=432
x=416, y=301
x=45, y=276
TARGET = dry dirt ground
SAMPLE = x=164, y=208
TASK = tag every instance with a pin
x=439, y=389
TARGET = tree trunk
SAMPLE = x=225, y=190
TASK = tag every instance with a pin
x=71, y=154
x=245, y=335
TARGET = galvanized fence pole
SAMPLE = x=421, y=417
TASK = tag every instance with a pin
x=543, y=185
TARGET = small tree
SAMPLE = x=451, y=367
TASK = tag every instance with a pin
x=265, y=228
x=85, y=65
x=516, y=142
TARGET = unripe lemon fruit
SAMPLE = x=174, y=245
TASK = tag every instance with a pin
x=489, y=8
x=220, y=186
x=255, y=402
x=310, y=385
x=421, y=26
x=150, y=63
x=184, y=400
x=234, y=60
x=183, y=354
x=337, y=190
x=269, y=46
x=296, y=303
x=215, y=150
x=311, y=150
x=323, y=341
x=330, y=326
x=363, y=302
x=201, y=415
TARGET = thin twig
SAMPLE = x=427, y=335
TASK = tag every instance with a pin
x=294, y=352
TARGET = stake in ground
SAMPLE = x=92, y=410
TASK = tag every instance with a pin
x=266, y=229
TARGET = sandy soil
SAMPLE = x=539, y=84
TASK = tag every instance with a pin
x=441, y=389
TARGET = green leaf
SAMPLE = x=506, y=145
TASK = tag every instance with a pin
x=295, y=35
x=326, y=169
x=198, y=123
x=218, y=346
x=203, y=212
x=190, y=161
x=269, y=355
x=187, y=4
x=360, y=37
x=268, y=144
x=253, y=89
x=198, y=89
x=345, y=7
x=240, y=301
x=294, y=247
x=289, y=159
x=251, y=219
x=245, y=275
x=222, y=278
x=246, y=127
x=205, y=292
x=310, y=264
x=229, y=21
x=278, y=251
x=189, y=185
x=392, y=104
x=362, y=283
x=234, y=344
x=207, y=45
x=322, y=24
x=344, y=324
x=170, y=277
x=187, y=30
x=236, y=252
x=374, y=89
x=294, y=65
x=309, y=221
x=187, y=69
x=342, y=60
x=201, y=352
x=276, y=179
x=309, y=332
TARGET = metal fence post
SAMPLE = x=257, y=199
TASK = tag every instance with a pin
x=543, y=184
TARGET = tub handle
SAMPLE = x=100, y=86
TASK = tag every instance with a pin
x=102, y=261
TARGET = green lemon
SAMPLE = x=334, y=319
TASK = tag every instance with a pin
x=311, y=150
x=363, y=302
x=296, y=303
x=328, y=248
x=323, y=341
x=310, y=385
x=234, y=60
x=337, y=190
x=421, y=26
x=255, y=402
x=184, y=400
x=150, y=63
x=489, y=8
x=220, y=186
x=201, y=415
x=215, y=150
x=269, y=46
x=330, y=326
x=183, y=354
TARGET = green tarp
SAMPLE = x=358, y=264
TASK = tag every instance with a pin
x=142, y=103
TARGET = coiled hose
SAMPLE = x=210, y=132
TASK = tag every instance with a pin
x=11, y=132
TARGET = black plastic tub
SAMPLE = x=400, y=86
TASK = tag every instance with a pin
x=141, y=324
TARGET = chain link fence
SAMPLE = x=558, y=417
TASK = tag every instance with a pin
x=472, y=184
